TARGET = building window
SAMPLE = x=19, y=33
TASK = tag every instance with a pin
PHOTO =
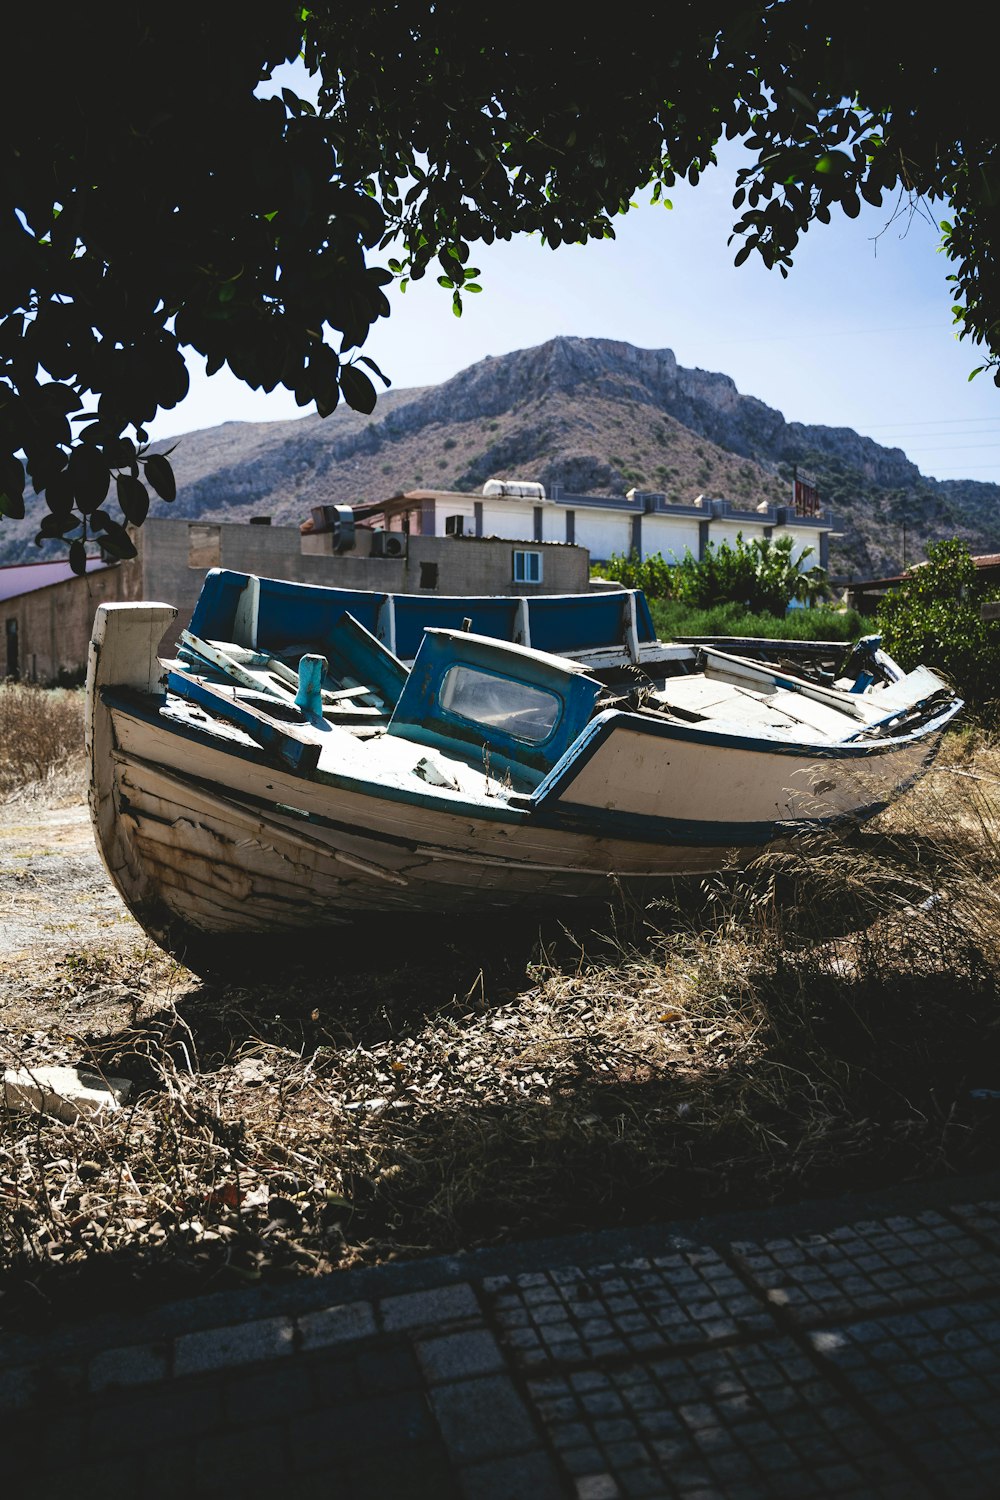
x=204, y=545
x=527, y=567
x=428, y=575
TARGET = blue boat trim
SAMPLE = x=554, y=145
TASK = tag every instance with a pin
x=645, y=828
x=302, y=615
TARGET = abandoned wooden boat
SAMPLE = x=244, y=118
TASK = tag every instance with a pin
x=243, y=790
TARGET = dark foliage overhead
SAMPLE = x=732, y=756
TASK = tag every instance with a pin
x=150, y=200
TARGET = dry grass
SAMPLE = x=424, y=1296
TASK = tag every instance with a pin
x=821, y=1022
x=41, y=734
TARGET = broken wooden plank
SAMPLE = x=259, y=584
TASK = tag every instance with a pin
x=296, y=745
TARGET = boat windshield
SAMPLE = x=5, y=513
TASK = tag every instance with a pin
x=518, y=708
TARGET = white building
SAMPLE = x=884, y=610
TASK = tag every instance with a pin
x=639, y=523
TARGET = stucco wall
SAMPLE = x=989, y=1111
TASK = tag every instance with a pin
x=602, y=534
x=514, y=519
x=469, y=566
x=53, y=625
x=670, y=536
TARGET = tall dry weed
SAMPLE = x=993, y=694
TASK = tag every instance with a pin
x=41, y=733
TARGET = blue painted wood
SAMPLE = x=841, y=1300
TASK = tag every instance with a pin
x=303, y=615
x=282, y=741
x=312, y=670
x=420, y=714
x=353, y=651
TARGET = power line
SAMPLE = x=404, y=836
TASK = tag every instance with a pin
x=957, y=448
x=927, y=422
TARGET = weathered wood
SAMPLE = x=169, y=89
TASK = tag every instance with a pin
x=298, y=745
x=209, y=831
x=123, y=650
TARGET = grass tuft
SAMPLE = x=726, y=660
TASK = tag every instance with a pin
x=41, y=734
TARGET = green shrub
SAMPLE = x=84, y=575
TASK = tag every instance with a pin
x=934, y=617
x=653, y=575
x=674, y=619
x=761, y=575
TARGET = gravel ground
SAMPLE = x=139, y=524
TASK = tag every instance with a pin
x=55, y=895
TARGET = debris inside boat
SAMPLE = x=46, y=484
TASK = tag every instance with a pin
x=288, y=768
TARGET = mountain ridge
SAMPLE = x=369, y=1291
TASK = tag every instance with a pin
x=597, y=416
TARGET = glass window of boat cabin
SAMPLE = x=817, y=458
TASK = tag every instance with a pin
x=520, y=709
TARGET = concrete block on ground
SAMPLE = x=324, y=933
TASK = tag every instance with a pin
x=19, y=1388
x=525, y=1474
x=442, y=1304
x=136, y=1365
x=482, y=1418
x=456, y=1356
x=337, y=1325
x=242, y=1344
x=64, y=1092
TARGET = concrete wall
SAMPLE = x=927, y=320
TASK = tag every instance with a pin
x=670, y=536
x=514, y=519
x=53, y=625
x=466, y=565
x=604, y=532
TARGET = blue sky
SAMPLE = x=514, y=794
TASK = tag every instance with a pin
x=859, y=335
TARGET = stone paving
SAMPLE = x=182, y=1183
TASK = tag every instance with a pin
x=851, y=1356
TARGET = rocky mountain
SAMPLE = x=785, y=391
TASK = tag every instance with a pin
x=595, y=416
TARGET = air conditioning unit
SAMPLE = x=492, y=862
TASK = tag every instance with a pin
x=389, y=543
x=454, y=525
x=338, y=519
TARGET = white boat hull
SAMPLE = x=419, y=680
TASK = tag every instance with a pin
x=208, y=842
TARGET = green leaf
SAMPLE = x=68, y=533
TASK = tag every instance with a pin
x=89, y=476
x=116, y=541
x=363, y=359
x=52, y=526
x=161, y=476
x=358, y=390
x=12, y=488
x=133, y=498
x=78, y=557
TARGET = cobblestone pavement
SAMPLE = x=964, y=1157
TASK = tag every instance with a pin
x=835, y=1350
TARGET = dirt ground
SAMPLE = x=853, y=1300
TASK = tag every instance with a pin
x=53, y=887
x=60, y=915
